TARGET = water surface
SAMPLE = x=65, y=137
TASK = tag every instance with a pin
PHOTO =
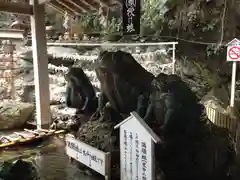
x=50, y=159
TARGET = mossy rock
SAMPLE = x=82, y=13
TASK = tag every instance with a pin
x=14, y=114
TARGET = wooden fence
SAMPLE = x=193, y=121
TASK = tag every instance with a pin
x=222, y=120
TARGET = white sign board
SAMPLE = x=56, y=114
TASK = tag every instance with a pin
x=233, y=50
x=233, y=54
x=137, y=149
x=93, y=158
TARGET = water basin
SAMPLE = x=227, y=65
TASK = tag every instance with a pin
x=50, y=159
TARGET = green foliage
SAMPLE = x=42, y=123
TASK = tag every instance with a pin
x=212, y=78
x=114, y=26
x=90, y=22
x=169, y=4
x=152, y=17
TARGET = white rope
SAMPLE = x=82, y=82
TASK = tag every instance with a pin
x=111, y=44
x=141, y=55
x=94, y=57
x=58, y=68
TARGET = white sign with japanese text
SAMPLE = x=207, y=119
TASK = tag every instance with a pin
x=136, y=149
x=95, y=159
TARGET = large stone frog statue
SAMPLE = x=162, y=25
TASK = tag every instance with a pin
x=125, y=84
x=80, y=93
x=175, y=114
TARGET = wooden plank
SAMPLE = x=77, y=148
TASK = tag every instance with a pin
x=17, y=8
x=7, y=138
x=33, y=132
x=12, y=138
x=3, y=140
x=46, y=130
x=25, y=135
x=69, y=6
x=94, y=3
x=74, y=6
x=106, y=2
x=59, y=132
x=11, y=34
x=59, y=6
x=43, y=1
x=40, y=64
x=81, y=5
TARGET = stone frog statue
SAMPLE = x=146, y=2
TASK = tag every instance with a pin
x=169, y=98
x=125, y=84
x=80, y=93
x=192, y=148
x=18, y=170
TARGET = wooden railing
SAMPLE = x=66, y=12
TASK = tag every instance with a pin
x=222, y=120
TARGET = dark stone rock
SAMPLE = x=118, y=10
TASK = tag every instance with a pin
x=18, y=170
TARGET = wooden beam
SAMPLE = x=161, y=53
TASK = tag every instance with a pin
x=11, y=34
x=62, y=7
x=17, y=8
x=81, y=5
x=40, y=64
x=101, y=2
x=106, y=2
x=61, y=11
x=94, y=3
x=43, y=1
x=94, y=6
x=71, y=7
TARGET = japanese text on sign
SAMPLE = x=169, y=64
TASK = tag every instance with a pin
x=87, y=155
x=84, y=152
x=135, y=157
x=131, y=5
x=131, y=16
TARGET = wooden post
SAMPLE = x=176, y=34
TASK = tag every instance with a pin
x=13, y=72
x=40, y=62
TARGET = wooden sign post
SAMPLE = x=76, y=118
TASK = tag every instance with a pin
x=137, y=149
x=233, y=55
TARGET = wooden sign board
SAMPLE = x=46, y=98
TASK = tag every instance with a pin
x=131, y=13
x=137, y=149
x=93, y=158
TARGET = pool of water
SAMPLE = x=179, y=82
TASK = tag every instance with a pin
x=50, y=159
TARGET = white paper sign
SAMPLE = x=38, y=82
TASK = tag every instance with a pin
x=136, y=149
x=93, y=158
